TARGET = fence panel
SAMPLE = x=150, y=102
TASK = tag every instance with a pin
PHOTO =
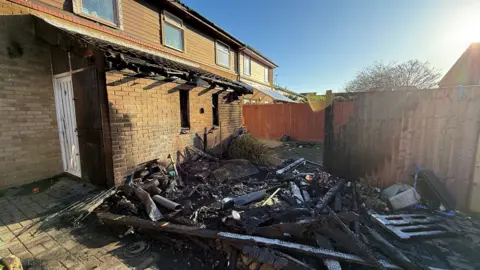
x=271, y=121
x=391, y=131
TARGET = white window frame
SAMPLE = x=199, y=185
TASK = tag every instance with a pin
x=266, y=74
x=179, y=25
x=249, y=65
x=78, y=9
x=216, y=54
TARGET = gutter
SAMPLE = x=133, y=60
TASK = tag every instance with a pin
x=256, y=55
x=195, y=15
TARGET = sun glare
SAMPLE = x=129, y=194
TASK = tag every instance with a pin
x=467, y=28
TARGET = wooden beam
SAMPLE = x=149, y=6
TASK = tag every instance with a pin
x=109, y=218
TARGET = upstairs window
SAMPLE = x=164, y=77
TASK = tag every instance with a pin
x=216, y=118
x=222, y=54
x=184, y=110
x=266, y=75
x=246, y=65
x=173, y=32
x=104, y=11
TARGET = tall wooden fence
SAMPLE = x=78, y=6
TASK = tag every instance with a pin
x=271, y=121
x=389, y=132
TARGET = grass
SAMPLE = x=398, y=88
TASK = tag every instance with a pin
x=248, y=147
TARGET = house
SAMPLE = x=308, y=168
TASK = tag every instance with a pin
x=94, y=88
x=466, y=71
x=265, y=95
x=257, y=71
x=290, y=94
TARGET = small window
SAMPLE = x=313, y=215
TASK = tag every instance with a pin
x=215, y=115
x=254, y=102
x=222, y=54
x=246, y=65
x=266, y=74
x=184, y=109
x=173, y=32
x=246, y=101
x=105, y=11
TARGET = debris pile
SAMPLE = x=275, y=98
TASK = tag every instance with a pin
x=297, y=216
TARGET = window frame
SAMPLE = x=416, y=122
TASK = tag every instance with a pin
x=165, y=20
x=215, y=110
x=187, y=125
x=250, y=65
x=229, y=54
x=266, y=75
x=78, y=10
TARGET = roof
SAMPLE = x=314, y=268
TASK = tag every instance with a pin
x=308, y=93
x=181, y=6
x=466, y=71
x=197, y=16
x=120, y=55
x=268, y=91
x=275, y=95
x=283, y=89
x=259, y=54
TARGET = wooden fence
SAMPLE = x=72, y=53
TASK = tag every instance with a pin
x=389, y=132
x=298, y=121
x=271, y=121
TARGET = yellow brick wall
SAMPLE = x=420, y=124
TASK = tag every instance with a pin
x=29, y=142
x=145, y=120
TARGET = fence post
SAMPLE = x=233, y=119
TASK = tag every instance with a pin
x=329, y=137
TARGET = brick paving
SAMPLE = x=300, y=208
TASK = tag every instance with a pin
x=56, y=246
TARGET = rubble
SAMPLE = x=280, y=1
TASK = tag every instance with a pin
x=266, y=217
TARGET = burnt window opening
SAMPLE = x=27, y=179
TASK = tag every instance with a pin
x=184, y=109
x=215, y=110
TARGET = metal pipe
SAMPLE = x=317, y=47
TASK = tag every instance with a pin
x=171, y=205
x=152, y=210
x=148, y=185
x=290, y=166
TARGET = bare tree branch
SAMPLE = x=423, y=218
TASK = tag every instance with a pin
x=412, y=74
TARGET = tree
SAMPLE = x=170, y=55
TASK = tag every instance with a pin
x=412, y=74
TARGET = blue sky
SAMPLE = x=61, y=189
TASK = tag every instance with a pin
x=320, y=44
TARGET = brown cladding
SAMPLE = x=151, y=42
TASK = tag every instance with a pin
x=142, y=21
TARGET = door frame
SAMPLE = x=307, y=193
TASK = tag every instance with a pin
x=56, y=79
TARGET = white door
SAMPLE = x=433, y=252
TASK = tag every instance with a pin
x=67, y=124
